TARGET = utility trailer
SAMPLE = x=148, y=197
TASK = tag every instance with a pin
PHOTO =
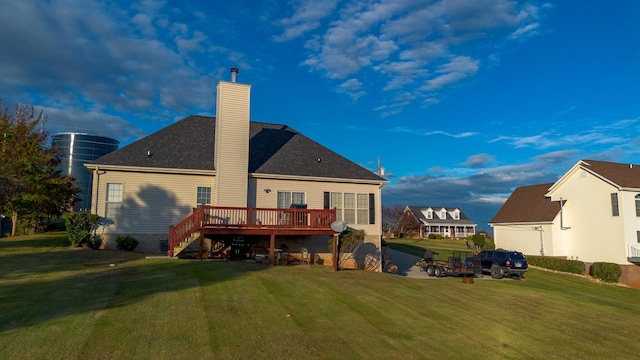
x=460, y=263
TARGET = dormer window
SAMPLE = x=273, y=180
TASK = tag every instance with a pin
x=429, y=214
x=443, y=214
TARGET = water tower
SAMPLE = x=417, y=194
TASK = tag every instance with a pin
x=75, y=150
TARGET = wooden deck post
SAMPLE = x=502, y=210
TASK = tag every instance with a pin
x=272, y=245
x=201, y=247
x=336, y=241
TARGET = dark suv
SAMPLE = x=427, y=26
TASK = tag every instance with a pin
x=503, y=262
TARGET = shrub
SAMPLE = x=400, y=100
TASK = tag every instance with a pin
x=95, y=242
x=79, y=226
x=607, y=272
x=563, y=265
x=435, y=236
x=126, y=243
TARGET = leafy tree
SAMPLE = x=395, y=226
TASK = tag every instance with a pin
x=479, y=241
x=31, y=186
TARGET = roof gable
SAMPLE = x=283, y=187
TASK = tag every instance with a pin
x=528, y=204
x=622, y=175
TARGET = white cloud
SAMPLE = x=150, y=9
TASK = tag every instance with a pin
x=406, y=41
x=455, y=70
x=306, y=18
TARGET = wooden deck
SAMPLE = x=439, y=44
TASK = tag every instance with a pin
x=251, y=221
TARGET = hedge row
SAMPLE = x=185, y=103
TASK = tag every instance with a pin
x=564, y=265
x=607, y=272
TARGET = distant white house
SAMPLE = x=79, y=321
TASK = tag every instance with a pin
x=446, y=222
x=592, y=214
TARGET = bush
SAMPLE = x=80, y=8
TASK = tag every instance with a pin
x=126, y=243
x=435, y=236
x=563, y=265
x=95, y=242
x=607, y=272
x=79, y=226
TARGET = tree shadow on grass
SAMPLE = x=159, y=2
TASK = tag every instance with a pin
x=39, y=287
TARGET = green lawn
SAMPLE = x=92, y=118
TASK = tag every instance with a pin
x=61, y=303
x=442, y=248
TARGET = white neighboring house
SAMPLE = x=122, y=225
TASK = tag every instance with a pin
x=446, y=222
x=237, y=186
x=592, y=214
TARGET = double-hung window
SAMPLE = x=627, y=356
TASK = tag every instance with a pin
x=354, y=208
x=113, y=204
x=638, y=205
x=615, y=211
x=203, y=196
x=288, y=198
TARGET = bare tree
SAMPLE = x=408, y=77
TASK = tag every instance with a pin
x=391, y=218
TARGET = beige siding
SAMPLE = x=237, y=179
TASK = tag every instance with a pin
x=151, y=202
x=593, y=234
x=314, y=195
x=232, y=144
x=528, y=239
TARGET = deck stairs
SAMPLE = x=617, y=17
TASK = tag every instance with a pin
x=183, y=245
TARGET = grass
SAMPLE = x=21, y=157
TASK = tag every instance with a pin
x=441, y=248
x=62, y=303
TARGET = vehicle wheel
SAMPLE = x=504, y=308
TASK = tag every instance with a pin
x=439, y=271
x=496, y=272
x=430, y=270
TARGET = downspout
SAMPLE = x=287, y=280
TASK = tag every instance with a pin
x=539, y=228
x=97, y=198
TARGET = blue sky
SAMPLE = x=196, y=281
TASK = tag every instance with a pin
x=461, y=100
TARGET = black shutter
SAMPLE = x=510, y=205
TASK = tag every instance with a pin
x=327, y=200
x=372, y=208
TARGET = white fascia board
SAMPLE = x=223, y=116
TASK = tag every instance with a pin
x=521, y=223
x=149, y=169
x=317, y=179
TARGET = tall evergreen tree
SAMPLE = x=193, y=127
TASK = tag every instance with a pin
x=30, y=185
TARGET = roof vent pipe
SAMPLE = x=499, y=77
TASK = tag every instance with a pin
x=234, y=74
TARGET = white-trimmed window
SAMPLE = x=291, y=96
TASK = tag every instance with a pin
x=203, y=196
x=615, y=210
x=336, y=203
x=363, y=209
x=288, y=198
x=113, y=203
x=638, y=205
x=351, y=207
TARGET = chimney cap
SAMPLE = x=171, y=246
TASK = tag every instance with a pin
x=234, y=74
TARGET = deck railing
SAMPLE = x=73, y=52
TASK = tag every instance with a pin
x=249, y=218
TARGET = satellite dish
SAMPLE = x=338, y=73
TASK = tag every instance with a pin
x=339, y=226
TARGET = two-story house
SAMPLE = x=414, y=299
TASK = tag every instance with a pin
x=446, y=222
x=230, y=184
x=592, y=213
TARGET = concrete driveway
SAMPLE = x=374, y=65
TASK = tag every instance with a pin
x=407, y=264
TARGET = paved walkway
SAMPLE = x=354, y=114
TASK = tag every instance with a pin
x=407, y=264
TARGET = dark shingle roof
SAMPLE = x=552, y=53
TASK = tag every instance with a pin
x=417, y=212
x=528, y=204
x=623, y=175
x=273, y=149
